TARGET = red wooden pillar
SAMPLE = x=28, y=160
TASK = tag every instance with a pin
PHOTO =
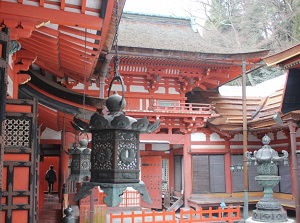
x=228, y=175
x=187, y=166
x=148, y=147
x=68, y=139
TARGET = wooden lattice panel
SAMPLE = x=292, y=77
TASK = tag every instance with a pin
x=19, y=163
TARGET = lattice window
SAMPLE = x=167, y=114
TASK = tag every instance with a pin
x=165, y=175
x=17, y=132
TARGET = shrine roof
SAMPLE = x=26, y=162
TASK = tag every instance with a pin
x=167, y=33
x=260, y=109
x=286, y=58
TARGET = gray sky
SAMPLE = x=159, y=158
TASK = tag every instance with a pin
x=159, y=7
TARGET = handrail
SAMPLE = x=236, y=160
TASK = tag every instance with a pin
x=182, y=106
x=228, y=214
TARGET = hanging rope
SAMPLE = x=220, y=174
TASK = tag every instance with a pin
x=117, y=76
x=84, y=78
x=116, y=59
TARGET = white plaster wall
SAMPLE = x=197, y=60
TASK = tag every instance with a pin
x=161, y=90
x=172, y=91
x=253, y=138
x=215, y=137
x=281, y=135
x=207, y=146
x=94, y=87
x=10, y=88
x=140, y=89
x=51, y=134
x=198, y=136
x=156, y=146
x=237, y=137
x=142, y=146
x=298, y=132
x=177, y=146
x=160, y=147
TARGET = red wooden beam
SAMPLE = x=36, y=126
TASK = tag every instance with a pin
x=18, y=108
x=62, y=4
x=78, y=41
x=79, y=32
x=41, y=45
x=52, y=32
x=79, y=59
x=54, y=16
x=75, y=46
x=42, y=3
x=48, y=63
x=51, y=56
x=73, y=66
x=83, y=6
x=45, y=38
x=76, y=52
x=46, y=66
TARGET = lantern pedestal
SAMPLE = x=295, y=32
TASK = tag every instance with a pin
x=268, y=209
x=112, y=191
x=250, y=220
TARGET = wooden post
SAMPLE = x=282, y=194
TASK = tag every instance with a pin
x=292, y=127
x=5, y=38
x=187, y=163
x=245, y=140
x=228, y=175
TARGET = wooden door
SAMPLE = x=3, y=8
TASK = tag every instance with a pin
x=19, y=161
x=151, y=171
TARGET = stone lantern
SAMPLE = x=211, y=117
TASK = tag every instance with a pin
x=268, y=209
x=81, y=164
x=115, y=152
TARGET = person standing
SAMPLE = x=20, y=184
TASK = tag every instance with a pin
x=50, y=178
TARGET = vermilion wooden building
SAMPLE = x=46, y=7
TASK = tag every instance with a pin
x=63, y=66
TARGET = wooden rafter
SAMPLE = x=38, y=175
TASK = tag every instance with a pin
x=54, y=16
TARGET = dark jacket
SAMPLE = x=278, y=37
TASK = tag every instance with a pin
x=50, y=176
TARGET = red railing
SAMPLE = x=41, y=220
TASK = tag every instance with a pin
x=191, y=108
x=131, y=199
x=166, y=217
x=229, y=214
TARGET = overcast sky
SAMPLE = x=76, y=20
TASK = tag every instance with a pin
x=159, y=7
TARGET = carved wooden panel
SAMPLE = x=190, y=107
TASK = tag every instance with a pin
x=20, y=161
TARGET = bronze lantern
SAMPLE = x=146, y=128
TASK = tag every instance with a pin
x=81, y=164
x=115, y=152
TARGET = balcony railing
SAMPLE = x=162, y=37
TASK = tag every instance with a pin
x=191, y=108
x=176, y=108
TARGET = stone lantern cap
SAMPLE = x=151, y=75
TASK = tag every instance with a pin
x=82, y=149
x=266, y=154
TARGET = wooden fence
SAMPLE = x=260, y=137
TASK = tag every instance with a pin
x=229, y=214
x=99, y=214
x=153, y=216
x=130, y=199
